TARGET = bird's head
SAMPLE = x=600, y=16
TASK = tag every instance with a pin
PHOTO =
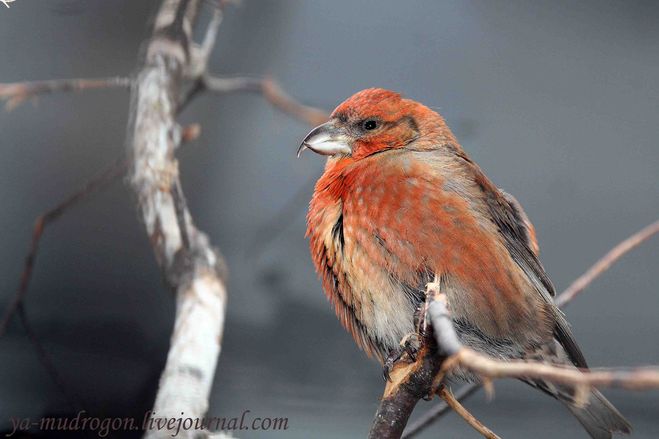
x=376, y=120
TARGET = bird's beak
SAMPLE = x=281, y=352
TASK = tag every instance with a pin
x=326, y=139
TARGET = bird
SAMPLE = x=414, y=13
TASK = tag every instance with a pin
x=399, y=204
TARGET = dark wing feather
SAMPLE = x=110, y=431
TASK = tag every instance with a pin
x=519, y=239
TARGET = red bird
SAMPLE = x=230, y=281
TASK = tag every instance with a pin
x=400, y=202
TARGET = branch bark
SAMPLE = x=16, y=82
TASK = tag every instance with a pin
x=470, y=419
x=409, y=383
x=16, y=93
x=605, y=262
x=116, y=170
x=191, y=266
x=489, y=368
x=272, y=93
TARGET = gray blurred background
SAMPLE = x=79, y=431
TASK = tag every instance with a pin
x=558, y=101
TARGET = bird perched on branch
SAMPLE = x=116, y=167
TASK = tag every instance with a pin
x=400, y=202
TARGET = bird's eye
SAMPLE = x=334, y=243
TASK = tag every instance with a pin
x=370, y=124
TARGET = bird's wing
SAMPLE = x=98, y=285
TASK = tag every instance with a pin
x=519, y=238
x=531, y=240
x=513, y=225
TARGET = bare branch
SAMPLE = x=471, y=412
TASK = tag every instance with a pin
x=409, y=383
x=278, y=222
x=46, y=361
x=117, y=169
x=278, y=98
x=201, y=53
x=438, y=411
x=271, y=91
x=208, y=43
x=488, y=368
x=16, y=93
x=191, y=266
x=442, y=324
x=16, y=306
x=605, y=263
x=642, y=378
x=452, y=402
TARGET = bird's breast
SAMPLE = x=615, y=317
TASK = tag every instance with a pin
x=356, y=265
x=380, y=233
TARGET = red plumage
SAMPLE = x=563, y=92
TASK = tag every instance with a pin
x=400, y=202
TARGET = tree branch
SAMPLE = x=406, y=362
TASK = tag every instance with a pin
x=605, y=262
x=272, y=93
x=489, y=368
x=110, y=174
x=477, y=425
x=642, y=378
x=16, y=93
x=409, y=383
x=438, y=411
x=201, y=52
x=72, y=400
x=191, y=266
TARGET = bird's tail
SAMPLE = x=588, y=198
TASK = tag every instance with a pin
x=598, y=416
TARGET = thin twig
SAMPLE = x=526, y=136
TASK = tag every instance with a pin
x=274, y=94
x=278, y=222
x=117, y=169
x=271, y=91
x=438, y=410
x=73, y=401
x=488, y=368
x=440, y=318
x=641, y=378
x=201, y=52
x=605, y=263
x=210, y=37
x=16, y=93
x=458, y=408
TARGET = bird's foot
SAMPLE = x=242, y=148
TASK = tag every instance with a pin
x=406, y=351
x=410, y=345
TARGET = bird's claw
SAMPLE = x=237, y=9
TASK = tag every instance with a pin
x=410, y=345
x=408, y=348
x=389, y=364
